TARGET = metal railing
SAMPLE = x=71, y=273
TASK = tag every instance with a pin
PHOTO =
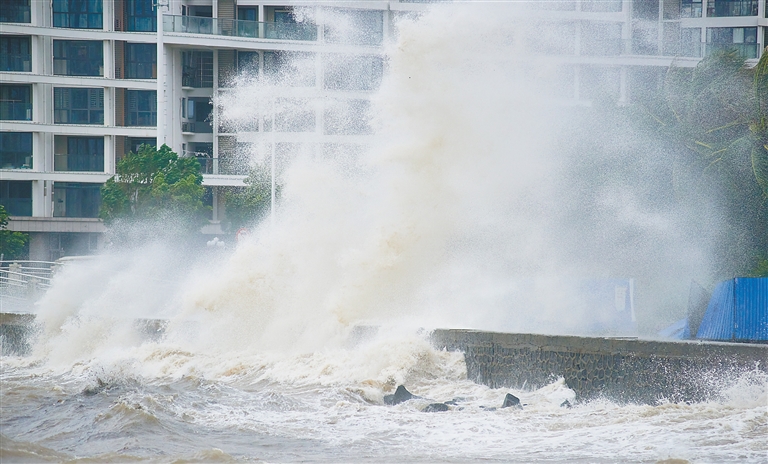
x=25, y=280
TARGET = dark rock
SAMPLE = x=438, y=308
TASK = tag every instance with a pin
x=487, y=408
x=566, y=404
x=511, y=401
x=436, y=407
x=401, y=395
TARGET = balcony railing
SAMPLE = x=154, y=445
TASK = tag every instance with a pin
x=11, y=110
x=197, y=127
x=238, y=28
x=17, y=63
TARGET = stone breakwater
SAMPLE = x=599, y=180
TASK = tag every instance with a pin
x=620, y=369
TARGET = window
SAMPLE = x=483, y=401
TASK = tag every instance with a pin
x=78, y=58
x=16, y=11
x=690, y=42
x=296, y=69
x=197, y=69
x=720, y=8
x=285, y=27
x=601, y=39
x=140, y=108
x=78, y=14
x=85, y=154
x=690, y=9
x=132, y=144
x=362, y=72
x=15, y=150
x=362, y=27
x=605, y=6
x=247, y=13
x=140, y=61
x=16, y=196
x=140, y=16
x=78, y=106
x=75, y=199
x=741, y=39
x=15, y=53
x=15, y=102
x=349, y=117
x=248, y=63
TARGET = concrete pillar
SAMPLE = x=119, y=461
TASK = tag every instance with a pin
x=38, y=199
x=215, y=100
x=109, y=154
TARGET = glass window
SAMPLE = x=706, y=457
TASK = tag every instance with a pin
x=15, y=11
x=140, y=61
x=15, y=53
x=741, y=39
x=78, y=106
x=690, y=42
x=296, y=69
x=247, y=13
x=75, y=199
x=197, y=69
x=140, y=108
x=132, y=144
x=601, y=39
x=140, y=16
x=15, y=102
x=78, y=14
x=85, y=154
x=353, y=72
x=362, y=27
x=602, y=6
x=285, y=27
x=690, y=9
x=16, y=197
x=248, y=63
x=15, y=150
x=720, y=8
x=78, y=58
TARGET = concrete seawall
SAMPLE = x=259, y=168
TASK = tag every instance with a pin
x=620, y=369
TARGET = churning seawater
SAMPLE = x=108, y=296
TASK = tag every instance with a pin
x=158, y=402
x=459, y=197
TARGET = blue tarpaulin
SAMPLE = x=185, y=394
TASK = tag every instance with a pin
x=737, y=311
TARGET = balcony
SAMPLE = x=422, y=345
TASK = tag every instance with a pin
x=239, y=28
x=11, y=110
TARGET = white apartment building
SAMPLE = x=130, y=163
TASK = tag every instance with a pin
x=82, y=82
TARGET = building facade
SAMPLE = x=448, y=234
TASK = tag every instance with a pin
x=82, y=82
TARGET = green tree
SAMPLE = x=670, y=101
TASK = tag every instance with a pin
x=155, y=184
x=247, y=205
x=12, y=244
x=717, y=116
